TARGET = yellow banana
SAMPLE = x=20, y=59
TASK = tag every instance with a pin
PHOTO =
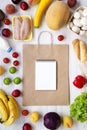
x=13, y=111
x=43, y=5
x=4, y=98
x=15, y=103
x=3, y=112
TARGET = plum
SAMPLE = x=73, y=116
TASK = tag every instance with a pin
x=71, y=3
x=2, y=15
x=52, y=120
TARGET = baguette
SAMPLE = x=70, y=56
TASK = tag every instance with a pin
x=80, y=49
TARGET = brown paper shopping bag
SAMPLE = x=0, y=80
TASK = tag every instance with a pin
x=59, y=53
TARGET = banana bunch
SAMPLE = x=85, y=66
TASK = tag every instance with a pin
x=8, y=109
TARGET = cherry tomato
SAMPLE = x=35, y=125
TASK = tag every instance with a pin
x=15, y=54
x=27, y=126
x=7, y=21
x=60, y=37
x=77, y=84
x=6, y=60
x=25, y=112
x=16, y=63
x=81, y=79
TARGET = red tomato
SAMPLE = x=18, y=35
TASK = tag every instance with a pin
x=6, y=60
x=60, y=37
x=81, y=79
x=77, y=84
x=7, y=21
x=16, y=63
x=25, y=112
x=15, y=54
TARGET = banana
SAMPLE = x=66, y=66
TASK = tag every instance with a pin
x=43, y=5
x=3, y=112
x=4, y=98
x=13, y=111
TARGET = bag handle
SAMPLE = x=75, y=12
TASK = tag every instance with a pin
x=45, y=32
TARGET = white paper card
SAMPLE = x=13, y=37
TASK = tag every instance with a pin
x=45, y=75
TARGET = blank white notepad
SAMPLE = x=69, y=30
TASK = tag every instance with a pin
x=45, y=75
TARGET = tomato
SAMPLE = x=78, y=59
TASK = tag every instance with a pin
x=15, y=54
x=60, y=37
x=77, y=84
x=16, y=63
x=7, y=21
x=6, y=60
x=25, y=112
x=81, y=79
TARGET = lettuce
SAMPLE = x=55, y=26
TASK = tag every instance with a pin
x=78, y=109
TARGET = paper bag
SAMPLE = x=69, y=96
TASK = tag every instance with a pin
x=59, y=53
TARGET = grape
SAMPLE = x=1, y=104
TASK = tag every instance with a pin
x=17, y=80
x=7, y=81
x=12, y=70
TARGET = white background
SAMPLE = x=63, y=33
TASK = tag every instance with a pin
x=73, y=71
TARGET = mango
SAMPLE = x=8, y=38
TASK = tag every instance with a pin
x=1, y=70
x=67, y=122
x=57, y=15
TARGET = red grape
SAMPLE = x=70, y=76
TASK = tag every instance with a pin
x=6, y=32
x=6, y=60
x=15, y=54
x=27, y=126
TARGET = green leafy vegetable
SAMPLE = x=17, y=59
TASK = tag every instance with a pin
x=78, y=109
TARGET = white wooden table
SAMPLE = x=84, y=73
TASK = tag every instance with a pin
x=73, y=71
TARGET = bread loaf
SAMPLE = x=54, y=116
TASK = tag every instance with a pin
x=80, y=49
